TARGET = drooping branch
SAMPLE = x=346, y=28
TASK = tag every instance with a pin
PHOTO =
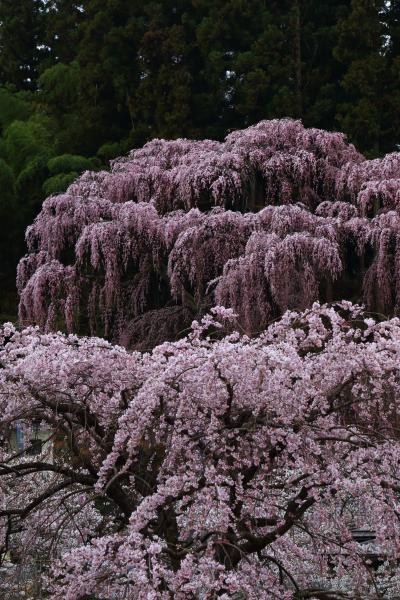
x=152, y=237
x=208, y=456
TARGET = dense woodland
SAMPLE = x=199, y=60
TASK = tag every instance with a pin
x=84, y=82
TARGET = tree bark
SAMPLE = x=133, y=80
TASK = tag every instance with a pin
x=297, y=57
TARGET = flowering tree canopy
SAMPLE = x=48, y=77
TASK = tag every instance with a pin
x=238, y=457
x=214, y=467
x=274, y=218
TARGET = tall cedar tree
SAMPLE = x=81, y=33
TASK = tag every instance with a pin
x=109, y=71
x=21, y=42
x=365, y=46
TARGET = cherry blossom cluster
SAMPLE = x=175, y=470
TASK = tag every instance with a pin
x=218, y=465
x=275, y=217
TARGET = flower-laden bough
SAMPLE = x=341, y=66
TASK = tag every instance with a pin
x=216, y=466
x=177, y=226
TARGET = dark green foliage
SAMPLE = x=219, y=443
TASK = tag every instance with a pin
x=367, y=40
x=64, y=170
x=69, y=162
x=29, y=186
x=59, y=183
x=62, y=33
x=22, y=24
x=8, y=220
x=14, y=106
x=95, y=78
x=26, y=140
x=111, y=150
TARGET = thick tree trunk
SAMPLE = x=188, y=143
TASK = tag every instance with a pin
x=297, y=57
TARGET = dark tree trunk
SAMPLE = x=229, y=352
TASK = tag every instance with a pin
x=297, y=57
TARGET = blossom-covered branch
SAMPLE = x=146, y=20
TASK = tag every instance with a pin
x=225, y=466
x=275, y=217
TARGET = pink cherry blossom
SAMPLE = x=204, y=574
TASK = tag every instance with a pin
x=167, y=232
x=216, y=466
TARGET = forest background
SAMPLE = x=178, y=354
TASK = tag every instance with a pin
x=84, y=82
